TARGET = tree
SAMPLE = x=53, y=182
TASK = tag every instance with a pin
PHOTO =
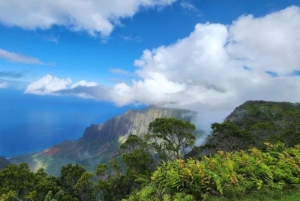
x=280, y=125
x=43, y=185
x=136, y=156
x=112, y=186
x=227, y=136
x=171, y=137
x=69, y=176
x=135, y=162
x=85, y=187
x=17, y=179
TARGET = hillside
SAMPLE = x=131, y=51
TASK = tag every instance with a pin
x=253, y=112
x=99, y=142
x=252, y=124
x=3, y=162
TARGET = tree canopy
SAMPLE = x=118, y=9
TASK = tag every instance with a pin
x=172, y=136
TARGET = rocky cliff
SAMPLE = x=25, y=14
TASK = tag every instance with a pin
x=100, y=142
x=132, y=122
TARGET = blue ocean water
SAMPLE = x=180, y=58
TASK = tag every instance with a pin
x=30, y=123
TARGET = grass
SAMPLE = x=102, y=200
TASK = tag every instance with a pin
x=291, y=194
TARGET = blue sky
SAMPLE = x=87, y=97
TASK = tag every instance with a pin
x=206, y=55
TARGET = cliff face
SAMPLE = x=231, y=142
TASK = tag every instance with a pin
x=100, y=142
x=132, y=122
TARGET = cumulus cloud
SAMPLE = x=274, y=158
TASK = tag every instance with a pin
x=95, y=92
x=84, y=84
x=51, y=85
x=267, y=43
x=48, y=85
x=97, y=17
x=3, y=85
x=190, y=71
x=19, y=58
x=217, y=67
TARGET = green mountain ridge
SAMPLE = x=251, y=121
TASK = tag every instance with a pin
x=251, y=112
x=100, y=142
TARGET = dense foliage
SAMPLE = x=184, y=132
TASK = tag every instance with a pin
x=254, y=148
x=19, y=183
x=224, y=174
x=251, y=125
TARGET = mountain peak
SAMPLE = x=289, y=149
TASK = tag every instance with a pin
x=132, y=122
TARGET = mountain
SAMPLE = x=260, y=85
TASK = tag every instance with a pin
x=251, y=125
x=100, y=142
x=3, y=162
x=253, y=112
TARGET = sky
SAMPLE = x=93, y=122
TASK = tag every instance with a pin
x=205, y=55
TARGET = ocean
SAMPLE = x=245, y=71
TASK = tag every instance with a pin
x=31, y=123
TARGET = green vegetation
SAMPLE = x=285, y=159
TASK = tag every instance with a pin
x=171, y=137
x=224, y=174
x=19, y=183
x=265, y=194
x=253, y=155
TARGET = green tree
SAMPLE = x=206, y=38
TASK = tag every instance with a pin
x=123, y=175
x=17, y=179
x=136, y=156
x=227, y=136
x=44, y=184
x=69, y=176
x=171, y=137
x=85, y=187
x=112, y=185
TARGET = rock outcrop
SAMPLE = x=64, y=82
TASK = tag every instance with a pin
x=132, y=122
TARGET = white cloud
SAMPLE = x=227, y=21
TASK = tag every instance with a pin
x=195, y=65
x=97, y=17
x=3, y=85
x=51, y=85
x=267, y=43
x=48, y=85
x=18, y=58
x=84, y=83
x=189, y=6
x=206, y=71
x=217, y=67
